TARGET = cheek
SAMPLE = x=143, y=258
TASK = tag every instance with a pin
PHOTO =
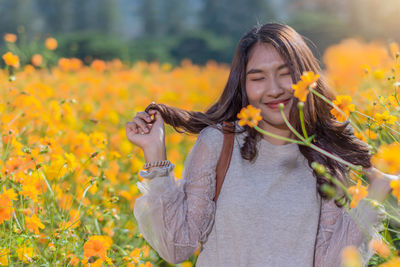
x=254, y=92
x=287, y=83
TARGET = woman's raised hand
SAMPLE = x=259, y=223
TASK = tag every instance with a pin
x=146, y=132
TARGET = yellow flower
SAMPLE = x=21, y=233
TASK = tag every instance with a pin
x=384, y=118
x=11, y=59
x=51, y=43
x=25, y=254
x=379, y=74
x=390, y=101
x=357, y=192
x=10, y=38
x=250, y=116
x=109, y=261
x=343, y=103
x=33, y=224
x=3, y=256
x=380, y=247
x=98, y=139
x=387, y=158
x=301, y=88
x=29, y=190
x=351, y=257
x=395, y=262
x=72, y=162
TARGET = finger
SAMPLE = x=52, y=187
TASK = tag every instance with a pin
x=152, y=113
x=156, y=113
x=132, y=127
x=141, y=124
x=145, y=116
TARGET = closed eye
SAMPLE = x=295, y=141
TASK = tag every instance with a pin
x=259, y=79
x=284, y=74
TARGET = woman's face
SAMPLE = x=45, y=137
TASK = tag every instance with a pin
x=268, y=83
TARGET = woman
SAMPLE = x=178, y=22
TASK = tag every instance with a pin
x=271, y=210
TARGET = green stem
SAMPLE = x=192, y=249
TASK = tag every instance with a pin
x=290, y=126
x=326, y=153
x=303, y=126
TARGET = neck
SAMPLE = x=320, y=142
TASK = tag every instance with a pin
x=284, y=132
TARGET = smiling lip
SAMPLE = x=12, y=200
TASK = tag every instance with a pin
x=274, y=104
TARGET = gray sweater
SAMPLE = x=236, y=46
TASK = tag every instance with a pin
x=267, y=213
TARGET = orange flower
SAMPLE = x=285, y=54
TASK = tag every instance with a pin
x=384, y=118
x=357, y=192
x=97, y=245
x=343, y=103
x=51, y=43
x=351, y=257
x=250, y=116
x=10, y=37
x=148, y=264
x=360, y=136
x=5, y=208
x=380, y=247
x=301, y=88
x=33, y=224
x=395, y=185
x=11, y=59
x=371, y=134
x=135, y=255
x=74, y=259
x=98, y=65
x=37, y=60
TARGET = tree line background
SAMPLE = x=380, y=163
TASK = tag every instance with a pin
x=171, y=30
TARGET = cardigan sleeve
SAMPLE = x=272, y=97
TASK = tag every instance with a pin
x=339, y=229
x=174, y=215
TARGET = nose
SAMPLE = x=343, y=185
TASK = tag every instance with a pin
x=275, y=89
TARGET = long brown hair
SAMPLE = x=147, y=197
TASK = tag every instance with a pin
x=330, y=135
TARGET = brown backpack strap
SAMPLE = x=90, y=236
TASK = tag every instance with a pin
x=225, y=157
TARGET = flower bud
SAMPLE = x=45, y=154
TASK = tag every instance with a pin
x=319, y=168
x=328, y=190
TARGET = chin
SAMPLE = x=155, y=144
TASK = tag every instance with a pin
x=274, y=122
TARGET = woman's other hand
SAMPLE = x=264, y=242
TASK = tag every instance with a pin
x=148, y=134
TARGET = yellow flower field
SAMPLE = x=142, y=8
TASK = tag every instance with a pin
x=68, y=172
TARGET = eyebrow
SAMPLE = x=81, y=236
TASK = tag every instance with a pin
x=259, y=70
